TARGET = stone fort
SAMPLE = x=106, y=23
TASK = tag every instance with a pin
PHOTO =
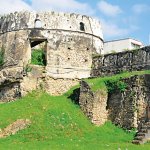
x=69, y=42
x=73, y=50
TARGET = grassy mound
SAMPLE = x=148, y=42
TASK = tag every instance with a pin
x=57, y=123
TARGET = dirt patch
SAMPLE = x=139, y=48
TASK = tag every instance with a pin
x=13, y=128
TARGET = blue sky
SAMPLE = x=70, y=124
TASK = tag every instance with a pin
x=119, y=18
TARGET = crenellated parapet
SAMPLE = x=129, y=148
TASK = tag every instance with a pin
x=52, y=21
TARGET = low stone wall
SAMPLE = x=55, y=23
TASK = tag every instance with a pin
x=110, y=64
x=10, y=83
x=128, y=108
x=125, y=108
x=93, y=104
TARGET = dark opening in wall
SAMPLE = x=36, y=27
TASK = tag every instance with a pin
x=85, y=60
x=38, y=52
x=38, y=23
x=82, y=28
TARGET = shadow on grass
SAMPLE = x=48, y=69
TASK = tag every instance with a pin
x=75, y=96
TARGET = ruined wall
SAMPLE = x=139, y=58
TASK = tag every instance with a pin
x=126, y=108
x=10, y=83
x=93, y=104
x=110, y=64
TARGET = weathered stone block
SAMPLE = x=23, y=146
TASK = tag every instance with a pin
x=93, y=104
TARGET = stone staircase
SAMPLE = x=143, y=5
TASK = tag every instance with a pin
x=143, y=134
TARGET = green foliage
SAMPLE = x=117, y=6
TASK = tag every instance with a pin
x=126, y=49
x=28, y=68
x=113, y=85
x=113, y=51
x=96, y=55
x=2, y=56
x=38, y=57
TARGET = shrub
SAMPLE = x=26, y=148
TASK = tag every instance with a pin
x=113, y=85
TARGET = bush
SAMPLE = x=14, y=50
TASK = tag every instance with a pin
x=113, y=85
x=38, y=57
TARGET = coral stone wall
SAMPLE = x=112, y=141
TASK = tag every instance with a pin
x=110, y=64
x=70, y=41
x=50, y=20
x=93, y=104
x=127, y=108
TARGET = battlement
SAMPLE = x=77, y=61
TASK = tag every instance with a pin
x=50, y=20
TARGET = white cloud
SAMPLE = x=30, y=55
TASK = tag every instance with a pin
x=63, y=5
x=8, y=6
x=140, y=8
x=112, y=30
x=109, y=9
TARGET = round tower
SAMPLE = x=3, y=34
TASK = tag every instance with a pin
x=70, y=40
x=67, y=41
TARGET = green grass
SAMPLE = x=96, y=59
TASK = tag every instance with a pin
x=57, y=123
x=99, y=83
x=38, y=57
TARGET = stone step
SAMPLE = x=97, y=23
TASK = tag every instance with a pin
x=147, y=123
x=143, y=130
x=148, y=128
x=139, y=137
x=144, y=127
x=137, y=142
x=140, y=134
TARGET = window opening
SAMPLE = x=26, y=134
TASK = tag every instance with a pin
x=38, y=23
x=82, y=28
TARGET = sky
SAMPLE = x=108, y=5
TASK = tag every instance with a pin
x=119, y=18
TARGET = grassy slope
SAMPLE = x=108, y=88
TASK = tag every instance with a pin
x=57, y=123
